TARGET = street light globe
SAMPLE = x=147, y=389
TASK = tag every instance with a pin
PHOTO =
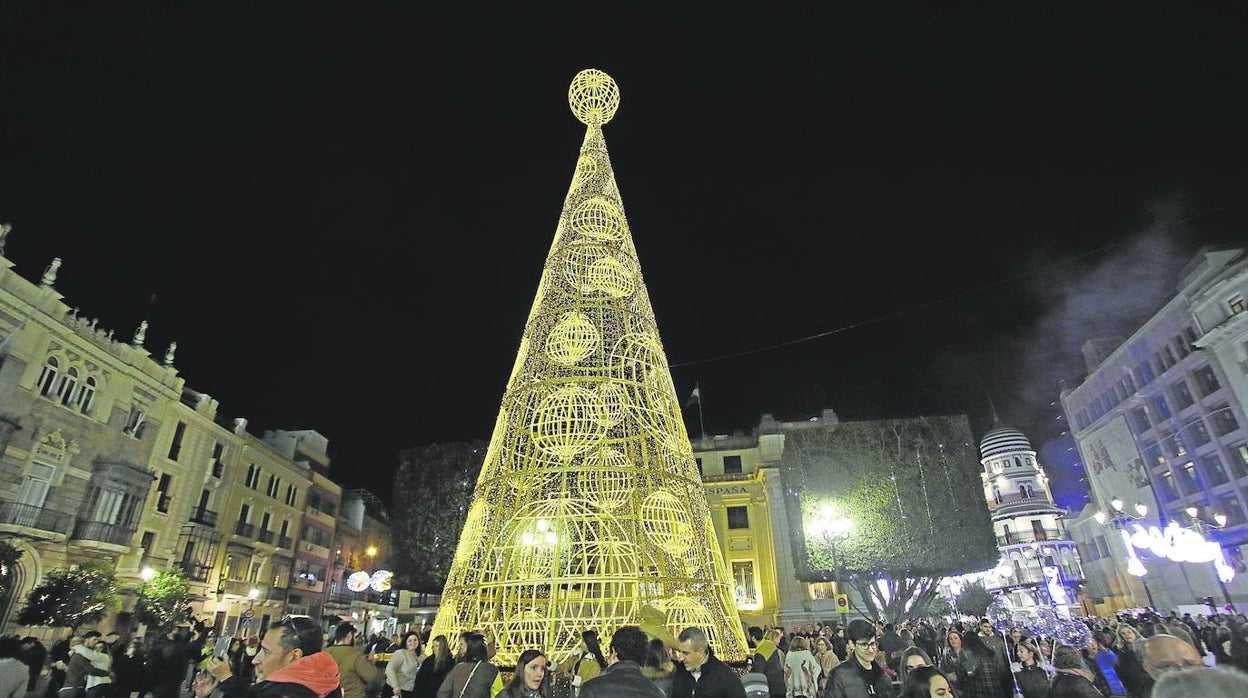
x=1100, y=517
x=1116, y=504
x=1191, y=511
x=253, y=594
x=147, y=574
x=371, y=551
x=1220, y=519
x=1141, y=509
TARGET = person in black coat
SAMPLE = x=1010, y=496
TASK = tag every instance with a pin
x=33, y=655
x=699, y=671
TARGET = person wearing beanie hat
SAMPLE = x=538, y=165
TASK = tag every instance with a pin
x=1073, y=680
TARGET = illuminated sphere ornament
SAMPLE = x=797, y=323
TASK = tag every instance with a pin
x=593, y=97
x=358, y=581
x=381, y=580
x=588, y=509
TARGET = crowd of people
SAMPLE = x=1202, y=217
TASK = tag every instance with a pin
x=1144, y=656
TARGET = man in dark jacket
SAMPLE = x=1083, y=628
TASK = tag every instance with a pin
x=33, y=655
x=623, y=676
x=768, y=660
x=166, y=664
x=290, y=664
x=860, y=676
x=700, y=672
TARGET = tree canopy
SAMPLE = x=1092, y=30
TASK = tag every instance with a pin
x=912, y=491
x=9, y=555
x=70, y=598
x=432, y=491
x=163, y=600
x=974, y=600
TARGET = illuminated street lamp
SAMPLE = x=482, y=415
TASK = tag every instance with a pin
x=1120, y=520
x=834, y=529
x=147, y=574
x=1204, y=528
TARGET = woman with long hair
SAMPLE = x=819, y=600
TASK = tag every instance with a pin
x=473, y=676
x=951, y=657
x=529, y=678
x=911, y=658
x=659, y=666
x=403, y=665
x=827, y=661
x=434, y=669
x=927, y=682
x=1033, y=679
x=983, y=671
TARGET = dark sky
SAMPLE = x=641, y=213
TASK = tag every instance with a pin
x=341, y=214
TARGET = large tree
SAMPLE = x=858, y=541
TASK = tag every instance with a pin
x=70, y=598
x=163, y=600
x=9, y=556
x=912, y=491
x=432, y=490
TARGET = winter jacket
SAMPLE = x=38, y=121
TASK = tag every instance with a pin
x=310, y=676
x=620, y=680
x=715, y=680
x=769, y=661
x=661, y=676
x=81, y=665
x=1033, y=681
x=355, y=672
x=850, y=680
x=13, y=677
x=430, y=677
x=801, y=674
x=1071, y=685
x=471, y=680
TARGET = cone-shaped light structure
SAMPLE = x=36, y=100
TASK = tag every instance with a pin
x=589, y=506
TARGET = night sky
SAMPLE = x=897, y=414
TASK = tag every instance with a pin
x=341, y=214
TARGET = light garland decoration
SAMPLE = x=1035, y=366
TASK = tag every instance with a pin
x=589, y=507
x=1174, y=543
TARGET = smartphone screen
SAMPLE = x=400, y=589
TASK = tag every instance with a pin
x=222, y=647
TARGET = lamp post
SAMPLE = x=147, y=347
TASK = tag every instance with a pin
x=1119, y=519
x=834, y=529
x=1205, y=528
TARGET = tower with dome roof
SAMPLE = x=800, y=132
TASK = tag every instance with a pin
x=1039, y=564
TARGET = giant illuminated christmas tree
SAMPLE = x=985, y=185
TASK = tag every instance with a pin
x=589, y=506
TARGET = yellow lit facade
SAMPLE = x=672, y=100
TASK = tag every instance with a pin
x=589, y=505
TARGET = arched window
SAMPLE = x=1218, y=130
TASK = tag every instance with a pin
x=1018, y=462
x=86, y=395
x=47, y=377
x=69, y=384
x=1026, y=491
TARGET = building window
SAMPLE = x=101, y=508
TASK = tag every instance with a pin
x=290, y=495
x=1236, y=305
x=732, y=465
x=69, y=384
x=1182, y=395
x=1199, y=434
x=1139, y=420
x=274, y=483
x=1190, y=478
x=1229, y=505
x=162, y=493
x=175, y=446
x=743, y=582
x=738, y=517
x=1214, y=472
x=1169, y=491
x=47, y=377
x=218, y=459
x=1152, y=454
x=38, y=481
x=1159, y=404
x=136, y=422
x=1224, y=421
x=1026, y=491
x=253, y=476
x=1239, y=460
x=1206, y=381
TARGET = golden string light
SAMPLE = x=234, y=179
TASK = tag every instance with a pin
x=589, y=506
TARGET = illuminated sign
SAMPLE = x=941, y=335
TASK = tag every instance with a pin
x=1174, y=543
x=380, y=580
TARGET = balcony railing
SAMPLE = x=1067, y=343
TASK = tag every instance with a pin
x=1048, y=534
x=342, y=598
x=39, y=518
x=204, y=516
x=285, y=542
x=266, y=536
x=278, y=594
x=1019, y=497
x=195, y=572
x=245, y=529
x=102, y=532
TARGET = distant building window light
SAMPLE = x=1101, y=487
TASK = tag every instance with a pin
x=1237, y=305
x=47, y=377
x=732, y=465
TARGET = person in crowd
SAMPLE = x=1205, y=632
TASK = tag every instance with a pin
x=129, y=666
x=1221, y=682
x=356, y=672
x=166, y=662
x=205, y=685
x=1103, y=661
x=927, y=682
x=1219, y=644
x=860, y=676
x=84, y=662
x=403, y=665
x=925, y=636
x=1033, y=680
x=585, y=662
x=840, y=645
x=13, y=672
x=658, y=666
x=529, y=678
x=623, y=675
x=891, y=646
x=983, y=672
x=34, y=654
x=1129, y=646
x=473, y=676
x=434, y=669
x=240, y=659
x=58, y=660
x=289, y=664
x=951, y=658
x=700, y=672
x=991, y=638
x=911, y=658
x=1011, y=644
x=768, y=660
x=827, y=660
x=801, y=670
x=1073, y=678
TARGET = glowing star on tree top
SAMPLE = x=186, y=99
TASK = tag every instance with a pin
x=589, y=508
